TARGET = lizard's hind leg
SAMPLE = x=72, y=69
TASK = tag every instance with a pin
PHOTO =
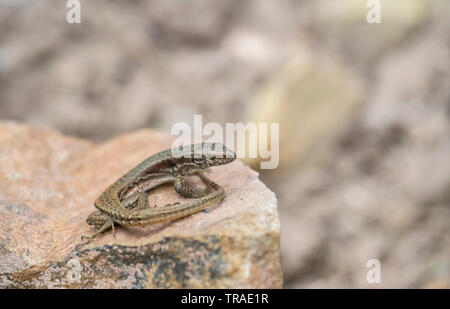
x=187, y=192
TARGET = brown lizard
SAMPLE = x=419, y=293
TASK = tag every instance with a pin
x=125, y=202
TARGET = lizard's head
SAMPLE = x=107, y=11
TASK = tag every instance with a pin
x=212, y=154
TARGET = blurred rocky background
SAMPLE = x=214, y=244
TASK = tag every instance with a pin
x=364, y=110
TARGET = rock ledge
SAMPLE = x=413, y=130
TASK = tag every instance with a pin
x=49, y=183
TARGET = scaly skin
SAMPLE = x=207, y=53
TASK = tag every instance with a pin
x=125, y=201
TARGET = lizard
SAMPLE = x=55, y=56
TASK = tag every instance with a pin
x=125, y=202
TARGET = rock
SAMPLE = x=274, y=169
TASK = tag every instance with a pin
x=49, y=183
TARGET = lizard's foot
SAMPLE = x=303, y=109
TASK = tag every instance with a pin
x=111, y=222
x=185, y=191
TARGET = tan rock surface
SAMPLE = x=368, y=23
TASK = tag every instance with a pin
x=49, y=183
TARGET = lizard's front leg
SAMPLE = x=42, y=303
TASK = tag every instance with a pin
x=185, y=191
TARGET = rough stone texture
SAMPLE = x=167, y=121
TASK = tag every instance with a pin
x=49, y=183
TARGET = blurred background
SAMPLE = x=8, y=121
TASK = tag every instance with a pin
x=364, y=110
